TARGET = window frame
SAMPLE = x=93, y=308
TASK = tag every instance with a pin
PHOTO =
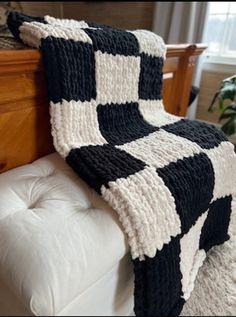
x=221, y=57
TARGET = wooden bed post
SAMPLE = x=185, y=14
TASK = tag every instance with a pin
x=24, y=115
x=182, y=76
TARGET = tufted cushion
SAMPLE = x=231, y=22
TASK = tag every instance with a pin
x=57, y=236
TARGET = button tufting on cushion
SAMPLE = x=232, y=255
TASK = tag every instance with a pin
x=52, y=227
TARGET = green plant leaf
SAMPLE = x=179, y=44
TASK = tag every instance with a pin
x=211, y=107
x=231, y=107
x=229, y=127
x=231, y=79
x=229, y=111
x=221, y=105
x=228, y=91
x=227, y=115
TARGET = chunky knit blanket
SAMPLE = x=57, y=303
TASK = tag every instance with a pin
x=169, y=179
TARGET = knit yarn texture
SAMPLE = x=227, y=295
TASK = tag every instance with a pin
x=169, y=179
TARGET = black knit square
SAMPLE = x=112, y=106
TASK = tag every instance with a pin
x=215, y=229
x=114, y=41
x=150, y=81
x=191, y=182
x=122, y=123
x=100, y=164
x=205, y=135
x=70, y=69
x=158, y=282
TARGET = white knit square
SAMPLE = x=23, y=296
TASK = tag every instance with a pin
x=150, y=43
x=161, y=148
x=191, y=258
x=154, y=113
x=74, y=124
x=117, y=78
x=146, y=209
x=223, y=161
x=32, y=33
x=68, y=23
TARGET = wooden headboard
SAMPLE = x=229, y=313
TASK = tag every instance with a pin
x=24, y=116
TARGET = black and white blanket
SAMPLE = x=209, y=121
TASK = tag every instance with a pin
x=169, y=179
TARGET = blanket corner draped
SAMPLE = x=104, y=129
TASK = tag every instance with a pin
x=169, y=179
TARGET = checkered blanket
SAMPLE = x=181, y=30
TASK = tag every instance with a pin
x=169, y=179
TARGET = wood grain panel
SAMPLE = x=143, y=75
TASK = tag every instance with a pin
x=25, y=134
x=167, y=92
x=126, y=15
x=41, y=8
x=122, y=14
x=26, y=85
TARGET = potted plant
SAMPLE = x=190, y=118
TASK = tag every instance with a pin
x=227, y=91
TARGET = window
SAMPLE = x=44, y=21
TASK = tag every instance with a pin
x=221, y=32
